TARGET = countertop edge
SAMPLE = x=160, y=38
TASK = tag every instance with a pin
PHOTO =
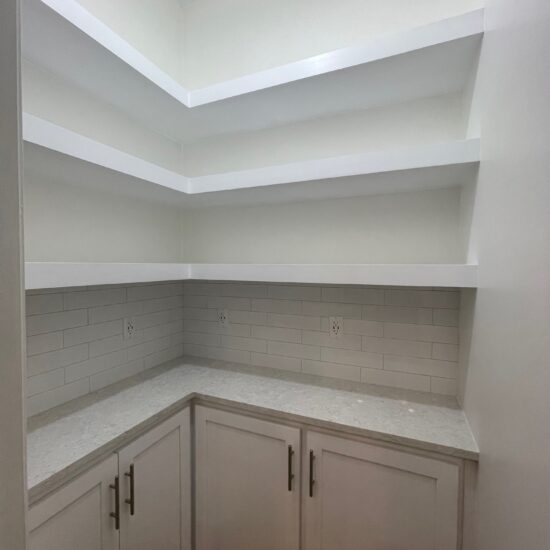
x=60, y=478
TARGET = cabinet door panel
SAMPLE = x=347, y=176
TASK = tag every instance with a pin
x=367, y=497
x=243, y=496
x=162, y=488
x=78, y=515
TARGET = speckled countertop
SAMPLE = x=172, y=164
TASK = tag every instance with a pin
x=67, y=439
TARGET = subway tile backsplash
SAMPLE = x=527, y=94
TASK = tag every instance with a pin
x=405, y=338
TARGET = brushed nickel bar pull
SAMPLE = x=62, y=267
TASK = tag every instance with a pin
x=311, y=480
x=131, y=501
x=116, y=513
x=290, y=474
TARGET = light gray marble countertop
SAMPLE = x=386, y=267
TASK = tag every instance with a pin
x=64, y=441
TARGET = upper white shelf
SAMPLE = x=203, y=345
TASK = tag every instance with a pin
x=64, y=38
x=436, y=155
x=60, y=274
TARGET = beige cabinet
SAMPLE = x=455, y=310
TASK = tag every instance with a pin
x=152, y=479
x=247, y=483
x=155, y=477
x=359, y=496
x=79, y=515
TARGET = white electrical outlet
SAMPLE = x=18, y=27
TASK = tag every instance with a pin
x=336, y=326
x=223, y=317
x=129, y=328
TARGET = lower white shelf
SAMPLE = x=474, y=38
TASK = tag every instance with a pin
x=63, y=274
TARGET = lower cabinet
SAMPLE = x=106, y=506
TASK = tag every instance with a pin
x=359, y=496
x=137, y=499
x=79, y=515
x=247, y=483
x=258, y=485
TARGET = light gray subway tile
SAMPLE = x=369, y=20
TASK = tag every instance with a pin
x=222, y=302
x=108, y=345
x=294, y=292
x=151, y=292
x=345, y=341
x=161, y=304
x=93, y=298
x=159, y=331
x=142, y=322
x=231, y=329
x=446, y=317
x=244, y=290
x=293, y=321
x=222, y=354
x=247, y=317
x=409, y=315
x=351, y=357
x=44, y=382
x=415, y=365
x=293, y=350
x=396, y=379
x=276, y=333
x=202, y=289
x=38, y=364
x=52, y=322
x=80, y=335
x=42, y=343
x=118, y=311
x=147, y=348
x=97, y=364
x=444, y=386
x=366, y=328
x=422, y=298
x=108, y=377
x=373, y=313
x=201, y=338
x=48, y=399
x=397, y=347
x=176, y=338
x=446, y=352
x=162, y=356
x=200, y=314
x=424, y=333
x=351, y=295
x=43, y=303
x=195, y=301
x=329, y=309
x=288, y=307
x=276, y=362
x=332, y=370
x=249, y=344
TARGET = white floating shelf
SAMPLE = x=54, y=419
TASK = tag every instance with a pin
x=61, y=140
x=58, y=274
x=61, y=36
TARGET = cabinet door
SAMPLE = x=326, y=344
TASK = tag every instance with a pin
x=77, y=516
x=366, y=497
x=156, y=488
x=246, y=496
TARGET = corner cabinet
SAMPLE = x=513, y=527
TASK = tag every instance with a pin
x=137, y=499
x=79, y=515
x=247, y=483
x=360, y=496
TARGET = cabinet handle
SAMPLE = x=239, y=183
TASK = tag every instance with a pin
x=116, y=513
x=290, y=474
x=131, y=501
x=311, y=480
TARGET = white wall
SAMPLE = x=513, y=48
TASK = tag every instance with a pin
x=49, y=97
x=415, y=123
x=71, y=223
x=12, y=324
x=507, y=387
x=402, y=227
x=228, y=38
x=153, y=27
